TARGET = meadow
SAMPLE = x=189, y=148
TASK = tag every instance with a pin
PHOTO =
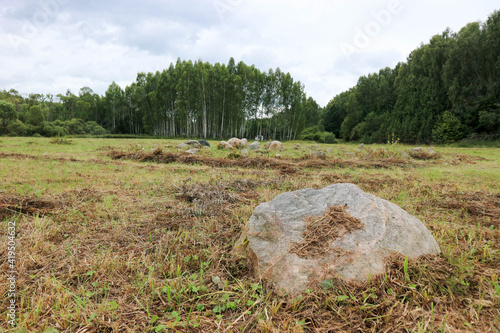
x=132, y=235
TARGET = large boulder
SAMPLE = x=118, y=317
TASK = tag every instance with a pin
x=254, y=146
x=193, y=143
x=338, y=231
x=275, y=146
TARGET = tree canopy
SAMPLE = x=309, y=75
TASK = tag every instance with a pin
x=447, y=89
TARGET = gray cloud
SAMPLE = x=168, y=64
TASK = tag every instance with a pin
x=49, y=46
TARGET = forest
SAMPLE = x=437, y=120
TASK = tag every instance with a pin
x=186, y=100
x=448, y=89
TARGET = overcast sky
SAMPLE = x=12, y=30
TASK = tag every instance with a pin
x=49, y=46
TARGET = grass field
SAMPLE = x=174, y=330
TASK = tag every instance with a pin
x=114, y=238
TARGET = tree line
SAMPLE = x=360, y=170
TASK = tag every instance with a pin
x=446, y=90
x=189, y=99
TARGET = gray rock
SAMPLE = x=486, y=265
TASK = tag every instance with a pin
x=193, y=143
x=193, y=151
x=417, y=149
x=204, y=143
x=430, y=150
x=268, y=143
x=244, y=151
x=183, y=146
x=254, y=146
x=362, y=146
x=276, y=230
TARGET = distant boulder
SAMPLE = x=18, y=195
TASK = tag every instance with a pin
x=235, y=142
x=192, y=151
x=243, y=143
x=254, y=146
x=193, y=143
x=204, y=143
x=224, y=145
x=275, y=146
x=182, y=146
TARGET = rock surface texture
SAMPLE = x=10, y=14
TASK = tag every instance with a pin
x=275, y=146
x=254, y=146
x=311, y=235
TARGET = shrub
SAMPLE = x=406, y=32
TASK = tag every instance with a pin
x=329, y=138
x=93, y=128
x=449, y=129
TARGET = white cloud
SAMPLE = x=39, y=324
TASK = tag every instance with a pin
x=93, y=43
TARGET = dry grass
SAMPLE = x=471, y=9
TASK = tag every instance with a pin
x=141, y=242
x=321, y=231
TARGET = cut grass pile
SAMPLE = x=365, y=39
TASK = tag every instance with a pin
x=113, y=239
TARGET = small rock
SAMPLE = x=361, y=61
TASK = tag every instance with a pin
x=319, y=154
x=193, y=151
x=243, y=143
x=404, y=154
x=430, y=150
x=182, y=146
x=244, y=151
x=362, y=146
x=297, y=146
x=417, y=149
x=268, y=143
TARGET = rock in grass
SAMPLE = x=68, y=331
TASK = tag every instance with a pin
x=193, y=143
x=204, y=143
x=254, y=146
x=338, y=231
x=243, y=143
x=183, y=146
x=192, y=151
x=235, y=142
x=275, y=146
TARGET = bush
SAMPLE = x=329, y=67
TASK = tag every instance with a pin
x=93, y=128
x=49, y=129
x=18, y=128
x=75, y=126
x=329, y=138
x=449, y=129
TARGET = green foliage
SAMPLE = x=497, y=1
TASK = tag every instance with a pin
x=7, y=115
x=93, y=128
x=34, y=116
x=314, y=134
x=448, y=130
